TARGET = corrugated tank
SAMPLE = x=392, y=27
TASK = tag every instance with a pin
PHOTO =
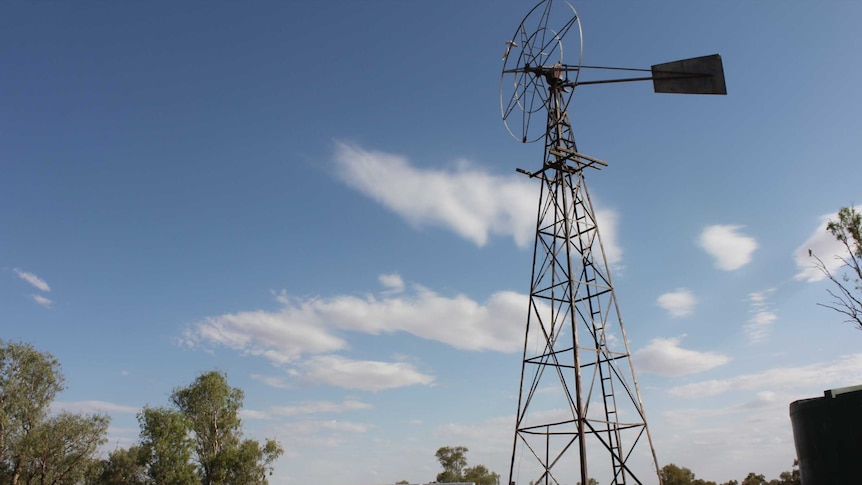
x=827, y=432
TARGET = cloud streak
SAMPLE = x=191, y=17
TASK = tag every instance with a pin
x=41, y=300
x=820, y=375
x=308, y=408
x=760, y=323
x=34, y=280
x=472, y=203
x=306, y=334
x=730, y=248
x=664, y=356
x=679, y=303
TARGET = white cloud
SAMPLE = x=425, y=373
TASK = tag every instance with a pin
x=679, y=303
x=92, y=407
x=754, y=433
x=823, y=245
x=45, y=302
x=34, y=280
x=307, y=326
x=835, y=373
x=393, y=282
x=365, y=375
x=730, y=248
x=312, y=328
x=309, y=407
x=279, y=337
x=664, y=356
x=471, y=202
x=272, y=381
x=758, y=326
x=312, y=426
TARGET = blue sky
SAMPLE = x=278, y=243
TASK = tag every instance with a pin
x=320, y=200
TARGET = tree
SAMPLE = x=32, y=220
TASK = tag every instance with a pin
x=35, y=448
x=123, y=466
x=847, y=299
x=480, y=475
x=754, y=479
x=29, y=381
x=166, y=447
x=199, y=439
x=454, y=463
x=675, y=475
x=61, y=449
x=591, y=481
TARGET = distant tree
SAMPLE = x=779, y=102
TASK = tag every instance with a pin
x=731, y=482
x=591, y=481
x=123, y=466
x=454, y=463
x=199, y=439
x=402, y=482
x=480, y=475
x=167, y=447
x=211, y=407
x=62, y=449
x=847, y=299
x=36, y=448
x=453, y=460
x=672, y=474
x=754, y=479
x=788, y=478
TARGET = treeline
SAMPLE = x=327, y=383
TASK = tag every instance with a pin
x=195, y=440
x=675, y=475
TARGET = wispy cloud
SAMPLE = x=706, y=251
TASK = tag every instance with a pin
x=305, y=334
x=835, y=373
x=752, y=433
x=469, y=201
x=34, y=280
x=758, y=326
x=92, y=407
x=310, y=407
x=679, y=303
x=41, y=300
x=309, y=326
x=730, y=248
x=365, y=375
x=393, y=282
x=664, y=356
x=823, y=245
x=272, y=381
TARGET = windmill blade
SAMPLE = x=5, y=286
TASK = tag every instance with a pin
x=698, y=75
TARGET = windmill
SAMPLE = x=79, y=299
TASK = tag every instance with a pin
x=578, y=393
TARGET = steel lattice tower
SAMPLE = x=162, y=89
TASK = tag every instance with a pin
x=573, y=314
x=578, y=392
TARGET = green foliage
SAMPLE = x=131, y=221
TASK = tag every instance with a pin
x=847, y=300
x=199, y=440
x=167, y=446
x=754, y=479
x=674, y=475
x=36, y=448
x=211, y=407
x=454, y=463
x=61, y=449
x=128, y=467
x=591, y=481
